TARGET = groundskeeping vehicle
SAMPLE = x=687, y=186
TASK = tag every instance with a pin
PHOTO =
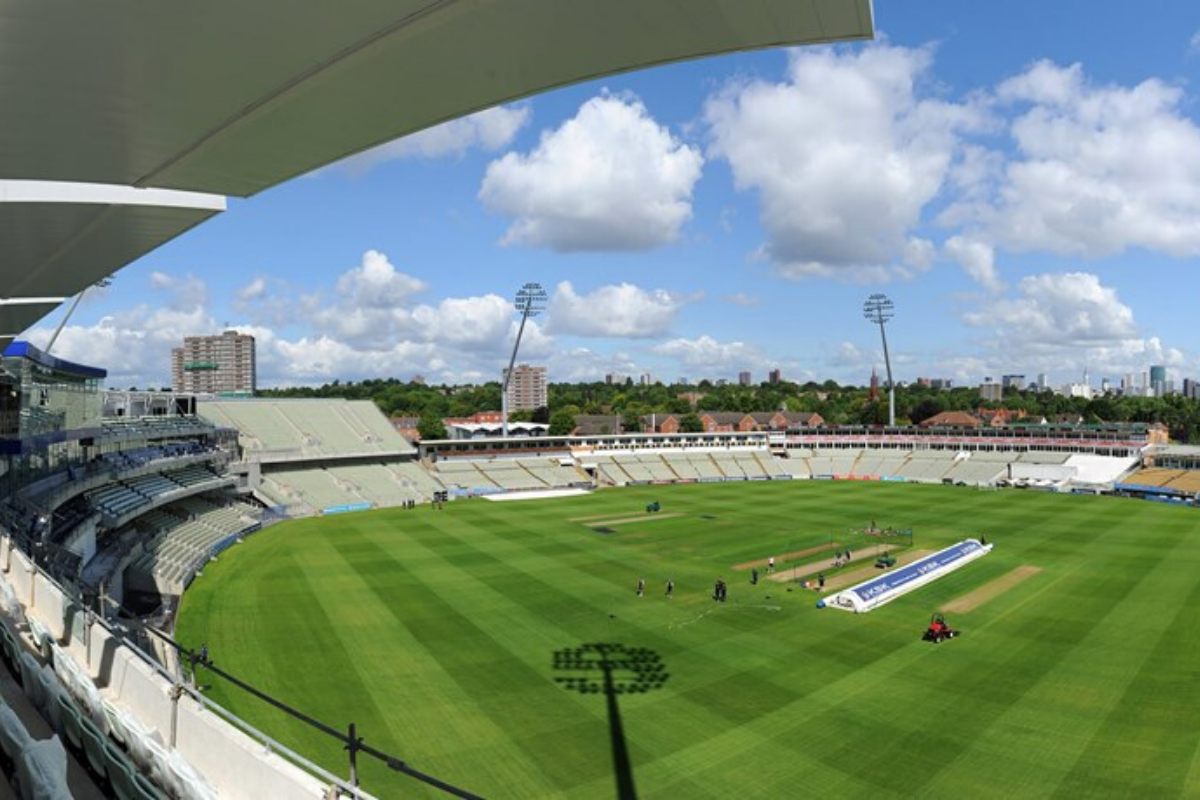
x=938, y=629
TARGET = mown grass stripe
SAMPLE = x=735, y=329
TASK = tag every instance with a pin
x=767, y=695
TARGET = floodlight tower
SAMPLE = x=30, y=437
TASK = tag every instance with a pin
x=879, y=309
x=531, y=301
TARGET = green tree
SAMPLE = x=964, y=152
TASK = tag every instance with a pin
x=430, y=426
x=690, y=423
x=929, y=407
x=562, y=423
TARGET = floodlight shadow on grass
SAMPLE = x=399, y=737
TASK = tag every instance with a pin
x=612, y=669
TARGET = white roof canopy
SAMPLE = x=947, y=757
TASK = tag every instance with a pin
x=231, y=97
x=59, y=238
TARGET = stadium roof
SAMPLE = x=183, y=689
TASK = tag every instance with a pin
x=230, y=98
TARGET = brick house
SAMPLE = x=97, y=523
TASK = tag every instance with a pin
x=801, y=419
x=952, y=419
x=660, y=423
x=725, y=421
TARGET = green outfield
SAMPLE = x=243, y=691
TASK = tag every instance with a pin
x=436, y=633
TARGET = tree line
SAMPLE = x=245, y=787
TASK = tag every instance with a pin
x=837, y=404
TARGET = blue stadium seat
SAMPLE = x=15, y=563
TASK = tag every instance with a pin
x=72, y=730
x=93, y=747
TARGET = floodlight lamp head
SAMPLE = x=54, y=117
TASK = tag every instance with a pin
x=531, y=299
x=879, y=308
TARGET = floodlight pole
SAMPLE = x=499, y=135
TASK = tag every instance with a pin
x=891, y=384
x=879, y=309
x=508, y=376
x=62, y=324
x=530, y=301
x=102, y=283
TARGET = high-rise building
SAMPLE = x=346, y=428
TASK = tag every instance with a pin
x=775, y=376
x=215, y=364
x=1191, y=389
x=744, y=378
x=1083, y=390
x=990, y=390
x=1042, y=383
x=1158, y=380
x=527, y=388
x=1014, y=381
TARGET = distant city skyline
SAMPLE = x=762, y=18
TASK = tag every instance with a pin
x=1027, y=194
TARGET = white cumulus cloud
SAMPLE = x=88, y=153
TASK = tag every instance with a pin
x=1063, y=323
x=184, y=293
x=254, y=290
x=705, y=355
x=1098, y=169
x=977, y=259
x=621, y=310
x=376, y=283
x=1058, y=308
x=610, y=178
x=366, y=325
x=844, y=155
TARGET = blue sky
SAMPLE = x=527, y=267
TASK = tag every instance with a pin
x=1022, y=178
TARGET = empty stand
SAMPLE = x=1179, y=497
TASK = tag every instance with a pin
x=185, y=535
x=1179, y=480
x=294, y=429
x=552, y=472
x=462, y=475
x=610, y=471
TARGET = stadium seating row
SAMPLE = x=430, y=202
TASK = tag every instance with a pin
x=692, y=465
x=152, y=427
x=1180, y=480
x=308, y=428
x=311, y=490
x=971, y=467
x=508, y=474
x=184, y=535
x=119, y=498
